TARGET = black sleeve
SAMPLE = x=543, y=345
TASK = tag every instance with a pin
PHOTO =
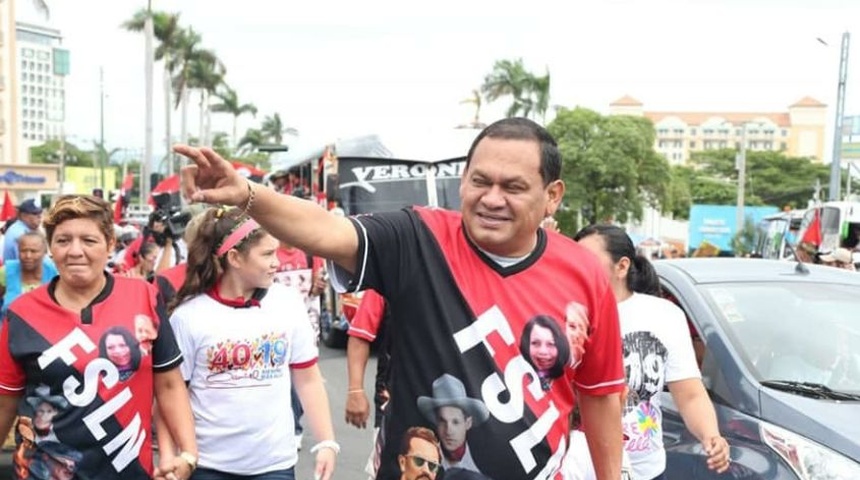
x=165, y=352
x=165, y=289
x=387, y=252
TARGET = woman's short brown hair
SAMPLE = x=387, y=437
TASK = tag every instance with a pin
x=71, y=207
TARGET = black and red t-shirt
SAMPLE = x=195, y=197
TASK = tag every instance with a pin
x=86, y=380
x=458, y=319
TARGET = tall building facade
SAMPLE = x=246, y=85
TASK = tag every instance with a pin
x=798, y=131
x=9, y=135
x=42, y=67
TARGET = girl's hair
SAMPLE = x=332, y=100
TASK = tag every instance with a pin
x=72, y=207
x=561, y=345
x=145, y=249
x=130, y=342
x=641, y=277
x=205, y=266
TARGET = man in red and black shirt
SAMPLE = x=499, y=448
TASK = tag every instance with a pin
x=462, y=287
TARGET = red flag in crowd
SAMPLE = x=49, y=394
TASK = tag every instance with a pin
x=8, y=211
x=127, y=184
x=813, y=230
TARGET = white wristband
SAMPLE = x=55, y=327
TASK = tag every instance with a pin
x=330, y=444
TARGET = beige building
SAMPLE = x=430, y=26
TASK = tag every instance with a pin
x=799, y=131
x=9, y=135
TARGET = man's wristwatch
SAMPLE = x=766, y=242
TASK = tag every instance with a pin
x=190, y=459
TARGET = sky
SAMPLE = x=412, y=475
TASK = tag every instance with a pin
x=338, y=68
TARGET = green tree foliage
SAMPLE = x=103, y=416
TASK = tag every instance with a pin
x=49, y=153
x=772, y=178
x=743, y=243
x=229, y=103
x=610, y=167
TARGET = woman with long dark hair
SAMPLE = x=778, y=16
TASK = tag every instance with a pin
x=657, y=351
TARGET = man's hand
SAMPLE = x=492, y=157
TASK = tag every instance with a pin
x=210, y=178
x=357, y=409
x=718, y=451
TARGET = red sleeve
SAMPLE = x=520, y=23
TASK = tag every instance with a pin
x=367, y=318
x=12, y=378
x=601, y=371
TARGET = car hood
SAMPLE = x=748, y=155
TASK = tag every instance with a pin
x=828, y=422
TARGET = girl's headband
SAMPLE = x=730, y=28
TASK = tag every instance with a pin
x=237, y=235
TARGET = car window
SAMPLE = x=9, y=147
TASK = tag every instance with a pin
x=807, y=332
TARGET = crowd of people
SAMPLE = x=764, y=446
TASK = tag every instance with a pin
x=507, y=349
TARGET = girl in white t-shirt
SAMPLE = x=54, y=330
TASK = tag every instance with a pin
x=657, y=350
x=244, y=340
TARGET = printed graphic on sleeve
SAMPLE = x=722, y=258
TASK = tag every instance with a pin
x=247, y=363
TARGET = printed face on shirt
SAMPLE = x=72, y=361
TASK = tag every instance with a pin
x=421, y=462
x=503, y=196
x=451, y=427
x=144, y=332
x=80, y=251
x=258, y=265
x=542, y=348
x=31, y=252
x=118, y=351
x=44, y=418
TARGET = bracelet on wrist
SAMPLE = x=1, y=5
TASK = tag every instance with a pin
x=355, y=390
x=252, y=193
x=190, y=459
x=330, y=444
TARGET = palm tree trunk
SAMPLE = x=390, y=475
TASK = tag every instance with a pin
x=201, y=125
x=206, y=106
x=168, y=109
x=235, y=139
x=184, y=107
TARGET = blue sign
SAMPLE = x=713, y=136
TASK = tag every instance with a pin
x=718, y=223
x=851, y=126
x=12, y=177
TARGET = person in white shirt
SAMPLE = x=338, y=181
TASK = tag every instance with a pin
x=657, y=351
x=245, y=339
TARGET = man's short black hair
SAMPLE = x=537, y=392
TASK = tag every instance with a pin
x=518, y=128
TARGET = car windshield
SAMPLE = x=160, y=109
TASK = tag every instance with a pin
x=793, y=331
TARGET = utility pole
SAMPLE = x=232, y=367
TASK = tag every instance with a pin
x=836, y=161
x=103, y=151
x=149, y=60
x=741, y=165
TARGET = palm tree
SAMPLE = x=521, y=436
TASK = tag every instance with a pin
x=167, y=31
x=230, y=104
x=190, y=61
x=539, y=89
x=507, y=78
x=476, y=99
x=251, y=141
x=273, y=129
x=207, y=75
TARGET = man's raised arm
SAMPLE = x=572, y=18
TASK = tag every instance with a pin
x=302, y=223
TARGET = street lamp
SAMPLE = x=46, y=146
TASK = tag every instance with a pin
x=835, y=162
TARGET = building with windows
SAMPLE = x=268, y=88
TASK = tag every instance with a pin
x=42, y=66
x=8, y=99
x=798, y=131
